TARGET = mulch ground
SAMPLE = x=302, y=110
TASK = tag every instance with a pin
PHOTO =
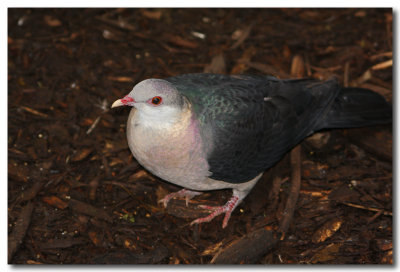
x=75, y=193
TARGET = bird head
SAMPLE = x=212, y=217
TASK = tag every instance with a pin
x=155, y=99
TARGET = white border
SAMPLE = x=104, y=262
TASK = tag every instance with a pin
x=174, y=3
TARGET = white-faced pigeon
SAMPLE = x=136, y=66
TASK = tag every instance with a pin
x=207, y=131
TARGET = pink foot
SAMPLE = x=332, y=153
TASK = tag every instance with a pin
x=182, y=193
x=227, y=209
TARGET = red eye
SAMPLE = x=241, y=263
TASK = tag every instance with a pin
x=156, y=100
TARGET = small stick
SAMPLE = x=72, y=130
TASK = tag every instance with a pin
x=346, y=74
x=35, y=112
x=367, y=208
x=295, y=162
x=90, y=129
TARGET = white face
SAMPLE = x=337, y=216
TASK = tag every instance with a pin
x=157, y=113
x=156, y=100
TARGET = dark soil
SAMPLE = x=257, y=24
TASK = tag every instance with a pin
x=75, y=193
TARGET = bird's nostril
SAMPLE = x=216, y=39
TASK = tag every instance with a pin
x=127, y=99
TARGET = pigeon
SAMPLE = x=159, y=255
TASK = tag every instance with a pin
x=212, y=131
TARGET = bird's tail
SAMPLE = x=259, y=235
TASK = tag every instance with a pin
x=357, y=107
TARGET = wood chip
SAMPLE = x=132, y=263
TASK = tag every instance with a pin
x=297, y=68
x=326, y=254
x=81, y=154
x=211, y=250
x=51, y=21
x=62, y=243
x=246, y=249
x=383, y=65
x=120, y=78
x=17, y=235
x=177, y=40
x=379, y=143
x=217, y=65
x=384, y=244
x=344, y=193
x=380, y=55
x=55, y=202
x=387, y=257
x=243, y=63
x=87, y=209
x=141, y=174
x=241, y=36
x=96, y=238
x=152, y=14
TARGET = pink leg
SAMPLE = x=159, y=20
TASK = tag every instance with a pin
x=182, y=193
x=227, y=209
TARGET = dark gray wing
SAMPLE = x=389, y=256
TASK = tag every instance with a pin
x=254, y=120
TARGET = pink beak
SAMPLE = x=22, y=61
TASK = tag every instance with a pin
x=123, y=102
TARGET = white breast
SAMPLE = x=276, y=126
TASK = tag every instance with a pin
x=173, y=151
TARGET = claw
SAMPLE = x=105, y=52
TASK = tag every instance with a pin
x=182, y=193
x=217, y=210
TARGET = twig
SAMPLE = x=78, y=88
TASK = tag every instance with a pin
x=369, y=221
x=297, y=70
x=104, y=106
x=274, y=193
x=367, y=208
x=295, y=162
x=346, y=74
x=35, y=112
x=90, y=129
